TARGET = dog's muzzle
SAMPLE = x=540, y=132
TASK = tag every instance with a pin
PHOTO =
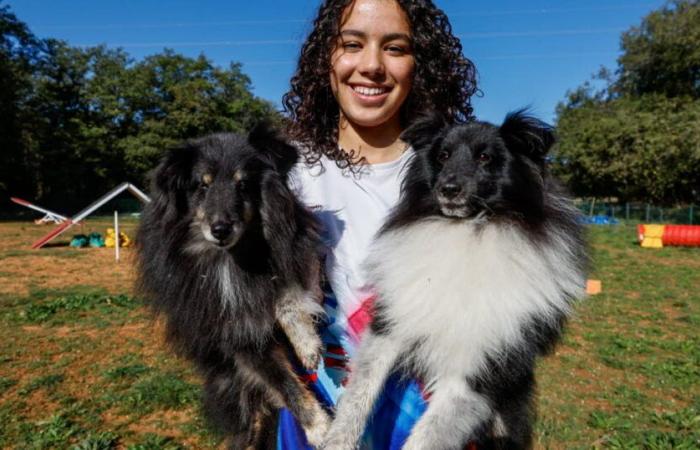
x=452, y=199
x=221, y=230
x=222, y=233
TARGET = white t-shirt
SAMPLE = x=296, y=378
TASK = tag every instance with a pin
x=351, y=208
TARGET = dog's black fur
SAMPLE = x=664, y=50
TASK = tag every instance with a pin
x=229, y=257
x=510, y=184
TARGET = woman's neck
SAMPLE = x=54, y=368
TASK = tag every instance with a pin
x=375, y=144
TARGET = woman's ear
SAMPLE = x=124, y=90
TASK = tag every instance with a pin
x=527, y=135
x=269, y=141
x=424, y=130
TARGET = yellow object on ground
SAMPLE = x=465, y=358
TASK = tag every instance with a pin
x=652, y=236
x=124, y=240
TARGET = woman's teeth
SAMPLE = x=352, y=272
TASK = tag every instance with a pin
x=369, y=91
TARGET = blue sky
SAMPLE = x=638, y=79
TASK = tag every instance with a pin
x=527, y=53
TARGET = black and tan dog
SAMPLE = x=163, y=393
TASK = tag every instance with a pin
x=229, y=258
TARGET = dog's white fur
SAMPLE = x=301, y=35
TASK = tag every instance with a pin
x=464, y=289
x=453, y=294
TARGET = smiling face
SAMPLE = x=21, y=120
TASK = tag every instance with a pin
x=372, y=64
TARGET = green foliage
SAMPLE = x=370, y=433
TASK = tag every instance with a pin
x=126, y=372
x=161, y=390
x=98, y=441
x=156, y=442
x=662, y=55
x=173, y=97
x=634, y=148
x=42, y=312
x=19, y=51
x=639, y=138
x=103, y=117
x=6, y=383
x=46, y=382
x=55, y=432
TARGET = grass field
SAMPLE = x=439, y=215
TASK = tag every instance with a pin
x=83, y=366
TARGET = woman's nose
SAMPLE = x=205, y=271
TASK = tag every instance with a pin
x=371, y=64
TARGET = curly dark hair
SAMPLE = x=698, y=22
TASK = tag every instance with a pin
x=443, y=79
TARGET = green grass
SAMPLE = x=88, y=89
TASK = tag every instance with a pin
x=637, y=349
x=156, y=442
x=82, y=367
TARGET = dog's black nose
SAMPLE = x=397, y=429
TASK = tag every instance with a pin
x=221, y=230
x=450, y=190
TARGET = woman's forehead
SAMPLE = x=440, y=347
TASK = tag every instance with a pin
x=375, y=16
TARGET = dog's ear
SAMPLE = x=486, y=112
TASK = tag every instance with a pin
x=424, y=130
x=527, y=135
x=171, y=180
x=269, y=141
x=174, y=173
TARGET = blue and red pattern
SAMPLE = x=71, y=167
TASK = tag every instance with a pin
x=397, y=410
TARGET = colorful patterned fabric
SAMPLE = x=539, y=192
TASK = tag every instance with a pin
x=396, y=411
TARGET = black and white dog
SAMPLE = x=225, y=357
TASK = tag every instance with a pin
x=229, y=257
x=475, y=271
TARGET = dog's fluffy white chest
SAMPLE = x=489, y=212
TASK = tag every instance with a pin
x=463, y=293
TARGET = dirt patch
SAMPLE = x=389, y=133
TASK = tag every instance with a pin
x=60, y=266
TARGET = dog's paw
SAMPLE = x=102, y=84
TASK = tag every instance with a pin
x=336, y=443
x=310, y=354
x=316, y=433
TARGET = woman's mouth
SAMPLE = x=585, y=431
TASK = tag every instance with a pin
x=370, y=91
x=370, y=96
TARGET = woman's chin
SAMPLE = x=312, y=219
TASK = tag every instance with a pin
x=369, y=117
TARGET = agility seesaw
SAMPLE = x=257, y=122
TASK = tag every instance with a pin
x=49, y=216
x=69, y=222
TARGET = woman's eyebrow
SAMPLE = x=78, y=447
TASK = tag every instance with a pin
x=397, y=36
x=385, y=38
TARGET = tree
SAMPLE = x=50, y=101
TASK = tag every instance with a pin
x=172, y=97
x=76, y=121
x=662, y=55
x=645, y=148
x=639, y=137
x=19, y=51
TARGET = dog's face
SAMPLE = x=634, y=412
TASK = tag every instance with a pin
x=217, y=184
x=482, y=169
x=226, y=192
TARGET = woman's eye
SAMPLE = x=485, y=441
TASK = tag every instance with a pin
x=443, y=156
x=484, y=158
x=396, y=49
x=351, y=46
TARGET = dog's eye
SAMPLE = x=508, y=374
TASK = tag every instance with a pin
x=206, y=180
x=484, y=158
x=242, y=185
x=443, y=156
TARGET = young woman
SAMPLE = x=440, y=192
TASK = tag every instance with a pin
x=366, y=70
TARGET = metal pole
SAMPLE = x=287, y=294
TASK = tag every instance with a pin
x=691, y=214
x=116, y=235
x=648, y=212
